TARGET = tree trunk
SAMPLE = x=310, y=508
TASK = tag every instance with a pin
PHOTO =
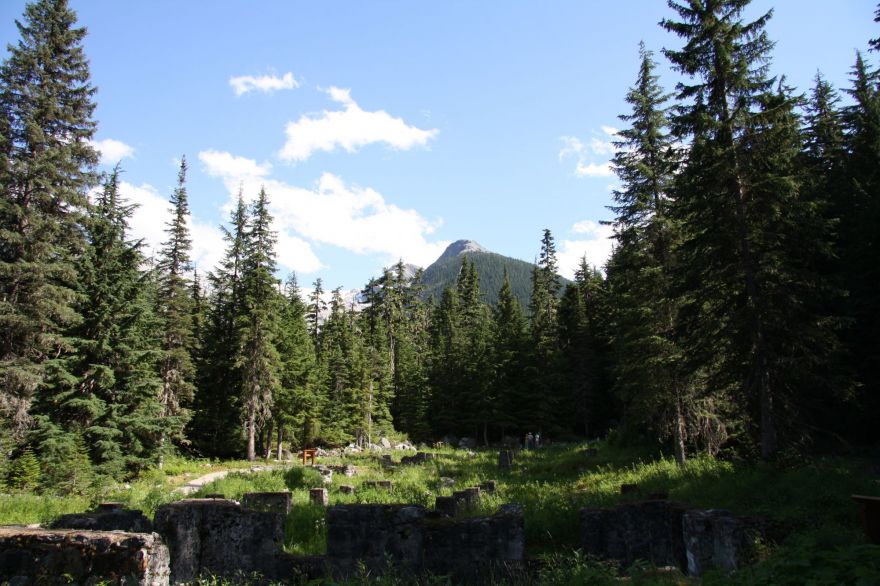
x=251, y=432
x=679, y=433
x=268, y=441
x=280, y=438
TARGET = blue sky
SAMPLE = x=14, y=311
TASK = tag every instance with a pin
x=389, y=129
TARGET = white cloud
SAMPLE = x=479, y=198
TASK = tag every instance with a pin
x=223, y=164
x=354, y=218
x=349, y=129
x=263, y=83
x=594, y=170
x=112, y=151
x=151, y=216
x=596, y=248
x=587, y=154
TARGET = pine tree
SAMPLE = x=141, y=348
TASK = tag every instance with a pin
x=750, y=310
x=112, y=401
x=46, y=168
x=217, y=399
x=297, y=406
x=544, y=330
x=509, y=353
x=860, y=214
x=257, y=356
x=175, y=309
x=649, y=374
x=583, y=343
x=316, y=307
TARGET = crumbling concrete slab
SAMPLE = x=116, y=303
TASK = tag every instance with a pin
x=48, y=557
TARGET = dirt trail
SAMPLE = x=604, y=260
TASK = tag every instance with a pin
x=197, y=483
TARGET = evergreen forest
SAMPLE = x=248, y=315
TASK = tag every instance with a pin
x=736, y=318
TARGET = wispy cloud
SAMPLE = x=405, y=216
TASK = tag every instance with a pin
x=596, y=247
x=350, y=129
x=112, y=151
x=593, y=157
x=262, y=83
x=354, y=218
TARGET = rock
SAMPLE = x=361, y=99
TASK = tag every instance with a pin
x=219, y=537
x=39, y=556
x=488, y=486
x=347, y=470
x=346, y=489
x=716, y=538
x=446, y=481
x=270, y=502
x=319, y=496
x=418, y=458
x=385, y=443
x=106, y=517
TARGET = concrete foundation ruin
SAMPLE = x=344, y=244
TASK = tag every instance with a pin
x=669, y=534
x=46, y=557
x=220, y=537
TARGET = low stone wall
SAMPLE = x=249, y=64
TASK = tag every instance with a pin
x=669, y=534
x=415, y=540
x=475, y=548
x=49, y=557
x=650, y=531
x=219, y=537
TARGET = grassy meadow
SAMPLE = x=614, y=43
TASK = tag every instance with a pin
x=814, y=532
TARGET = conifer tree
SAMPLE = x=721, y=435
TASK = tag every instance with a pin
x=509, y=353
x=175, y=310
x=544, y=330
x=649, y=373
x=257, y=356
x=316, y=307
x=298, y=402
x=583, y=344
x=750, y=312
x=860, y=215
x=46, y=167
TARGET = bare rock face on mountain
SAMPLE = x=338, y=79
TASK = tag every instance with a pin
x=460, y=247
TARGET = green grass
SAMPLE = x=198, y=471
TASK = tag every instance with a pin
x=814, y=528
x=27, y=509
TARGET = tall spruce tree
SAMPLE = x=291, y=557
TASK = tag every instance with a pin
x=545, y=373
x=46, y=167
x=859, y=243
x=112, y=401
x=750, y=311
x=649, y=372
x=583, y=344
x=509, y=352
x=316, y=308
x=297, y=412
x=175, y=310
x=257, y=356
x=216, y=410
